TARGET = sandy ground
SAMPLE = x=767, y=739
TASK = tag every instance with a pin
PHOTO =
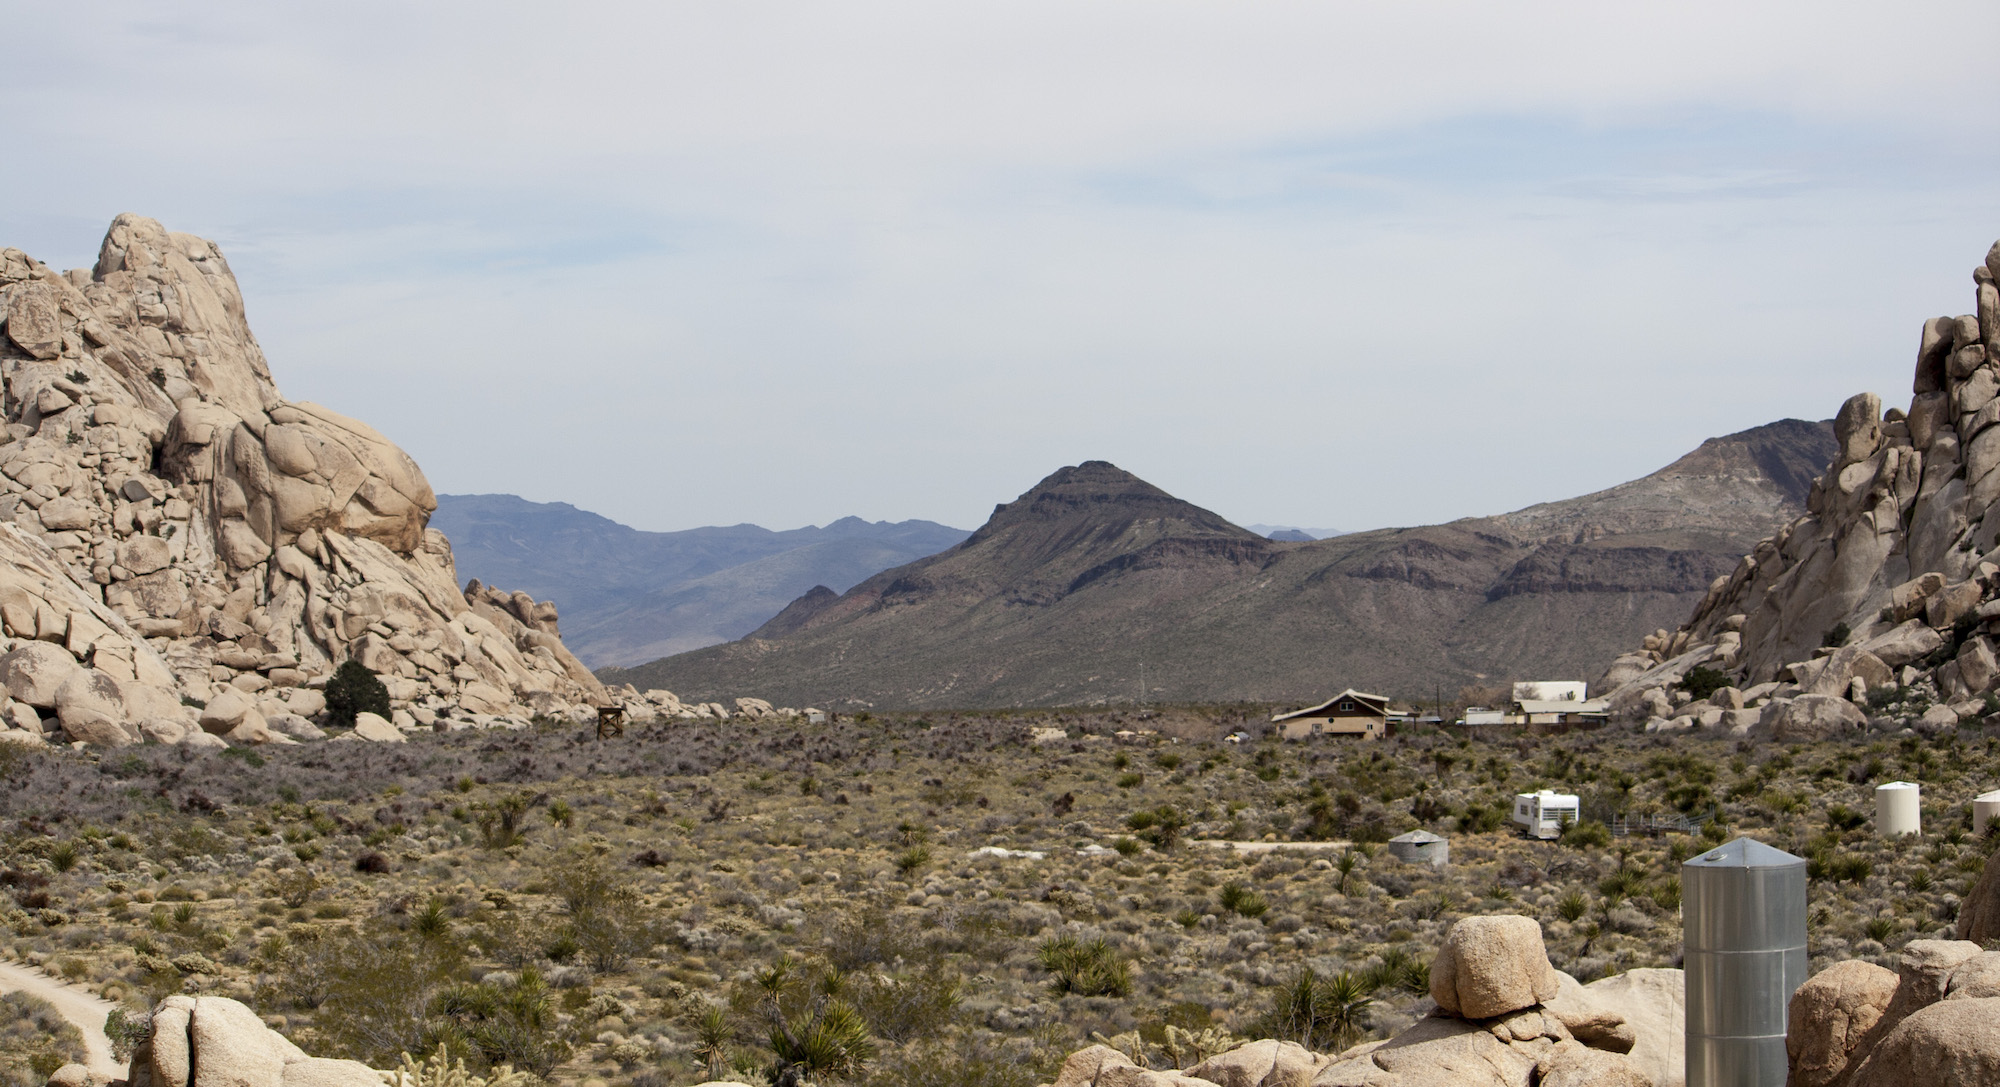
x=1272, y=847
x=79, y=1006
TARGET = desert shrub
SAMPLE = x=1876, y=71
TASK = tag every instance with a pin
x=125, y=1030
x=1843, y=818
x=1326, y=1014
x=601, y=904
x=500, y=820
x=912, y=1005
x=971, y=1063
x=1484, y=818
x=372, y=990
x=354, y=689
x=35, y=1040
x=371, y=863
x=1161, y=826
x=1586, y=834
x=1084, y=967
x=514, y=1024
x=1837, y=636
x=1702, y=681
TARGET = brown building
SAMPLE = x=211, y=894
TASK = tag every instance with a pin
x=1349, y=713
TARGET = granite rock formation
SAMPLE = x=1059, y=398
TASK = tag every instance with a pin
x=175, y=534
x=1880, y=605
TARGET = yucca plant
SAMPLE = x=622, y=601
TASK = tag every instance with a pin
x=1084, y=967
x=1572, y=906
x=1239, y=899
x=1321, y=1013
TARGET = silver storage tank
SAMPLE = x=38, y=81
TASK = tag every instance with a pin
x=1743, y=925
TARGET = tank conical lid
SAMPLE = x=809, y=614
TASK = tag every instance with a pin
x=1745, y=853
x=1421, y=837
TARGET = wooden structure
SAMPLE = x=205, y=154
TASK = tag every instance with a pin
x=610, y=721
x=1349, y=713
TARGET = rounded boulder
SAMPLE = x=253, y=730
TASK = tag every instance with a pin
x=34, y=671
x=1815, y=717
x=1490, y=966
x=1830, y=1015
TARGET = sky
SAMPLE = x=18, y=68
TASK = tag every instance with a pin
x=1327, y=264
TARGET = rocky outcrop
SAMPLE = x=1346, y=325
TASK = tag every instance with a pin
x=1934, y=1021
x=174, y=533
x=206, y=1041
x=1887, y=585
x=1538, y=1026
x=1979, y=913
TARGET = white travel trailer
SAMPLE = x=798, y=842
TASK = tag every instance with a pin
x=1546, y=813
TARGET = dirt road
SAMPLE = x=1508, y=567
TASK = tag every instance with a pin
x=79, y=1006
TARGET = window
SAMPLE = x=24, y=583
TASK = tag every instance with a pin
x=1347, y=707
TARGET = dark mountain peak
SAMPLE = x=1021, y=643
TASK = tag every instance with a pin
x=1100, y=492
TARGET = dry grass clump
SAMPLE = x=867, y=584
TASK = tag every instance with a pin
x=902, y=900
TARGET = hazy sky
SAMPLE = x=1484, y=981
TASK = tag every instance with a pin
x=1349, y=264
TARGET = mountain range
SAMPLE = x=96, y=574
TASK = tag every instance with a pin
x=1094, y=578
x=628, y=595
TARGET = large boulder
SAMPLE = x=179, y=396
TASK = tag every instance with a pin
x=1103, y=1066
x=1813, y=717
x=91, y=706
x=1653, y=1003
x=1979, y=913
x=1831, y=1017
x=1953, y=1043
x=216, y=1042
x=229, y=709
x=372, y=727
x=1490, y=966
x=33, y=672
x=1438, y=1052
x=1573, y=1064
x=1903, y=644
x=1264, y=1063
x=1975, y=978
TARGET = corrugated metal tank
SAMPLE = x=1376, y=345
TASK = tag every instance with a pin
x=1421, y=847
x=1898, y=809
x=1743, y=924
x=1985, y=809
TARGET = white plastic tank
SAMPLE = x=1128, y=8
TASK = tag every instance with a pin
x=1897, y=809
x=1985, y=809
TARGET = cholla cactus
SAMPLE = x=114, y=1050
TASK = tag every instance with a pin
x=1187, y=1048
x=441, y=1071
x=1128, y=1043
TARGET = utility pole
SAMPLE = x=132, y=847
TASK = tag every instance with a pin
x=1142, y=684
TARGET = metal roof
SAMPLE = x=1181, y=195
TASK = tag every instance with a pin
x=1324, y=706
x=1745, y=853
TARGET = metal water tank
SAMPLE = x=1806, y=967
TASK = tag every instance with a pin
x=1898, y=810
x=1421, y=847
x=1743, y=925
x=1985, y=809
